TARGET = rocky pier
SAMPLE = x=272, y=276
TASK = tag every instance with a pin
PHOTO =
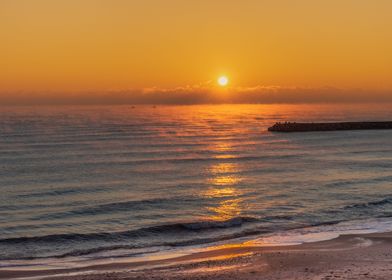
x=328, y=126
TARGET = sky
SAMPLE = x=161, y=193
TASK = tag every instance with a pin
x=173, y=51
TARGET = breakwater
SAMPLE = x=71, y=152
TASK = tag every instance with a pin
x=328, y=126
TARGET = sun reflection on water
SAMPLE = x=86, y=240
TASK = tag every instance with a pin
x=220, y=192
x=223, y=168
x=225, y=210
x=224, y=174
x=222, y=150
x=222, y=147
x=223, y=180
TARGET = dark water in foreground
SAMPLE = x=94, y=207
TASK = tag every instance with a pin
x=123, y=181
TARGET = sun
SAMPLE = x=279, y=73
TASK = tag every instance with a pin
x=223, y=81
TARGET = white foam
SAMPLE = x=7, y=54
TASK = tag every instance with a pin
x=290, y=237
x=325, y=232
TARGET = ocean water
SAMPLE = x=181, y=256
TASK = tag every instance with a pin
x=95, y=182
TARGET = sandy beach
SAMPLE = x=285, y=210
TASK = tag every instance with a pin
x=367, y=256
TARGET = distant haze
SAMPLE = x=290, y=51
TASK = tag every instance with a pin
x=263, y=95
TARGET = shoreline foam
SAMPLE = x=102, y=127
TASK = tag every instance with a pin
x=297, y=238
x=355, y=256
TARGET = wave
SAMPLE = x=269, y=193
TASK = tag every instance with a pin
x=157, y=237
x=373, y=180
x=370, y=204
x=108, y=241
x=139, y=250
x=120, y=206
x=205, y=158
x=113, y=244
x=142, y=232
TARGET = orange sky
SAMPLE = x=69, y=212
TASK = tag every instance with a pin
x=116, y=45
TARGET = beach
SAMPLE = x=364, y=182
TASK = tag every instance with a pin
x=357, y=256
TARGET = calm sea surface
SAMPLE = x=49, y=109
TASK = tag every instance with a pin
x=123, y=181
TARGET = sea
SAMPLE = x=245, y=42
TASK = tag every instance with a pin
x=86, y=183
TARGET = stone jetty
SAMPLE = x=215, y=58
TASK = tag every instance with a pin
x=328, y=126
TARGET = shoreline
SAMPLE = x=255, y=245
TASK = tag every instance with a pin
x=351, y=256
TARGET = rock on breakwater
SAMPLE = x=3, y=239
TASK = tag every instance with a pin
x=329, y=126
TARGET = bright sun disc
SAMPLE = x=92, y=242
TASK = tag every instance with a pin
x=223, y=81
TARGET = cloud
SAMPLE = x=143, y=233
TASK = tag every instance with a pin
x=204, y=93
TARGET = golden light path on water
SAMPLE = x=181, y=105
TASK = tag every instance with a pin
x=223, y=179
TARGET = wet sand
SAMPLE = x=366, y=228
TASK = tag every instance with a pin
x=367, y=256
